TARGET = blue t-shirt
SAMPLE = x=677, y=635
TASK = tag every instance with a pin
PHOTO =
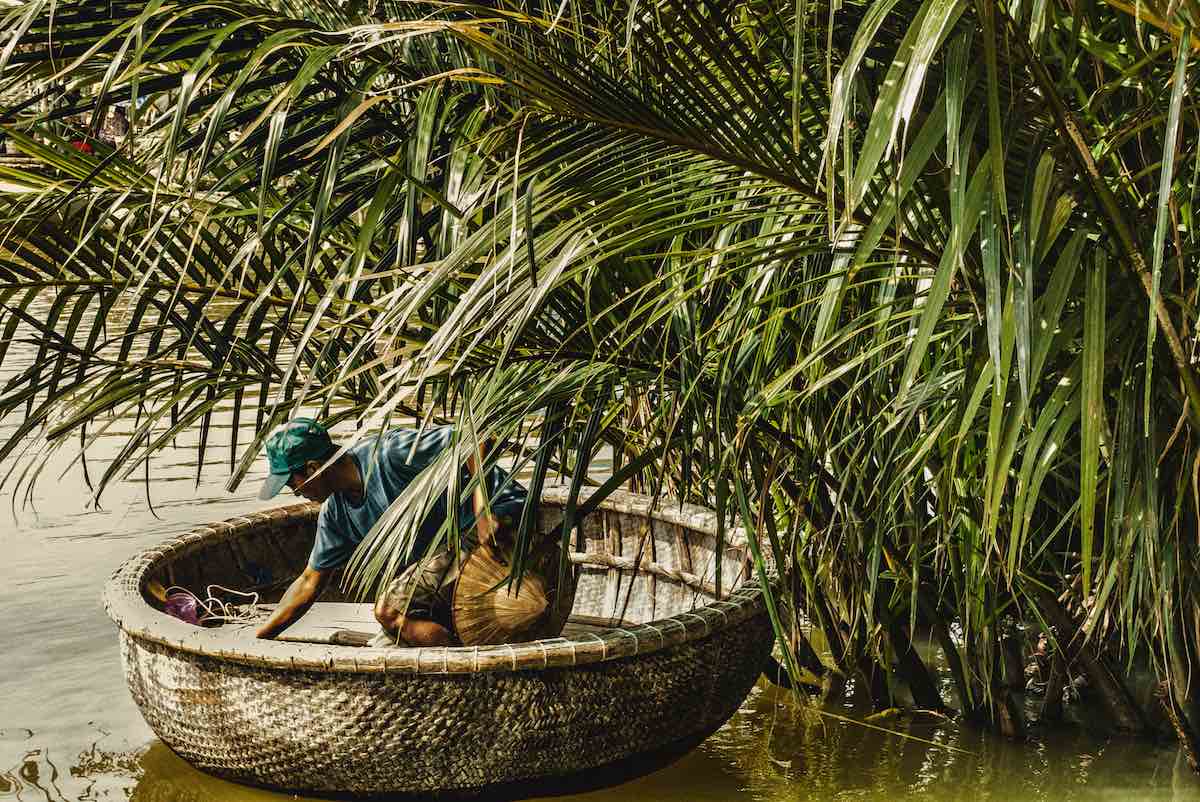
x=341, y=526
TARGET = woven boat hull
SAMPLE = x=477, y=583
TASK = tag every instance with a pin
x=450, y=721
x=380, y=733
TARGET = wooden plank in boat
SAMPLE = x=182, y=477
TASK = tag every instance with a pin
x=342, y=623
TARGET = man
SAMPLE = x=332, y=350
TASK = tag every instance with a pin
x=354, y=491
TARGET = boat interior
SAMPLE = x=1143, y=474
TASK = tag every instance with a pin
x=629, y=569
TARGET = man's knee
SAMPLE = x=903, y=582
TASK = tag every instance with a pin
x=418, y=632
x=388, y=616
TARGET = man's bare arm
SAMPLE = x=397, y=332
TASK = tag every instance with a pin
x=485, y=522
x=299, y=596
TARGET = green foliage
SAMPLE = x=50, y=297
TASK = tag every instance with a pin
x=903, y=286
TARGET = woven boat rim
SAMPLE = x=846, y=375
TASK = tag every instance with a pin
x=125, y=605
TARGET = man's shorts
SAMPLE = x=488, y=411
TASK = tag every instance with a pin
x=425, y=589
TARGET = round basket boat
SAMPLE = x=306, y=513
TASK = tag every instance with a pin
x=667, y=638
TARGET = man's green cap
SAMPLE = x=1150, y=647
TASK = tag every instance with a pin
x=293, y=444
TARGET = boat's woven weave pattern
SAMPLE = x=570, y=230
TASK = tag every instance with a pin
x=377, y=733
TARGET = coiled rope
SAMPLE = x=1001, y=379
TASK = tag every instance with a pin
x=216, y=609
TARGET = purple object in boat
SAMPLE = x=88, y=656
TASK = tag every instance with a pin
x=183, y=606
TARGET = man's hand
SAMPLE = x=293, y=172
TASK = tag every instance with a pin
x=300, y=595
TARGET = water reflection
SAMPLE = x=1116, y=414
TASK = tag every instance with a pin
x=772, y=751
x=96, y=774
x=167, y=778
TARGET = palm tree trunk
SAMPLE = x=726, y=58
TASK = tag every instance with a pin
x=1014, y=665
x=1052, y=702
x=802, y=650
x=912, y=669
x=1183, y=730
x=1125, y=713
x=1007, y=713
x=1178, y=695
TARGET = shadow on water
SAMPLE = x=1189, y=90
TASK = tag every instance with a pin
x=770, y=751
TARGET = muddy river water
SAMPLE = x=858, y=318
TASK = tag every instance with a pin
x=69, y=730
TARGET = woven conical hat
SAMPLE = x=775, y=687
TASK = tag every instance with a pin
x=487, y=614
